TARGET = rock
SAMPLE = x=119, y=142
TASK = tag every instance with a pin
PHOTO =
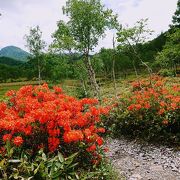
x=136, y=164
x=156, y=168
x=174, y=168
x=135, y=177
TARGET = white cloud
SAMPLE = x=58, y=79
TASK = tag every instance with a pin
x=19, y=15
x=159, y=13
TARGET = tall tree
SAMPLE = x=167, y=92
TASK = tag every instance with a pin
x=36, y=46
x=113, y=68
x=176, y=17
x=169, y=57
x=131, y=37
x=88, y=21
x=63, y=39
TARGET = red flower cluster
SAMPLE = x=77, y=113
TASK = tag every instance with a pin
x=18, y=141
x=153, y=97
x=150, y=110
x=7, y=137
x=38, y=117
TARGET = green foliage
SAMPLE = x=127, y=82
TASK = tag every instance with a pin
x=166, y=73
x=41, y=167
x=52, y=167
x=36, y=46
x=88, y=22
x=57, y=68
x=9, y=72
x=97, y=64
x=176, y=17
x=103, y=171
x=63, y=39
x=150, y=112
x=148, y=51
x=138, y=34
x=10, y=61
x=122, y=62
x=169, y=57
x=130, y=38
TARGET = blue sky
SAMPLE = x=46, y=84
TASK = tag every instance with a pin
x=19, y=15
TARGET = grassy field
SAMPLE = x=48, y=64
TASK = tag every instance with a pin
x=70, y=86
x=4, y=87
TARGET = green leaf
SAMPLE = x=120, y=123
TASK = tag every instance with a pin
x=70, y=159
x=36, y=170
x=2, y=163
x=73, y=165
x=44, y=158
x=29, y=178
x=61, y=158
x=56, y=175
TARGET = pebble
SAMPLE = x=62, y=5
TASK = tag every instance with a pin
x=135, y=177
x=137, y=161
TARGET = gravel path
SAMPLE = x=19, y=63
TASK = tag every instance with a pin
x=144, y=161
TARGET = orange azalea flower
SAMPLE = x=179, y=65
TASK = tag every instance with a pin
x=11, y=93
x=158, y=84
x=161, y=111
x=44, y=117
x=53, y=143
x=165, y=122
x=73, y=136
x=57, y=89
x=99, y=141
x=18, y=141
x=101, y=130
x=87, y=133
x=7, y=137
x=138, y=106
x=147, y=105
x=106, y=149
x=176, y=99
x=95, y=161
x=91, y=148
x=131, y=107
x=173, y=106
x=162, y=103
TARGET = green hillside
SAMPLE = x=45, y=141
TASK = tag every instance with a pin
x=10, y=61
x=14, y=53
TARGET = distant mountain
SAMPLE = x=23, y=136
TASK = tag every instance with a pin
x=15, y=53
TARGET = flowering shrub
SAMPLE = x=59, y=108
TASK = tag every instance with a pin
x=151, y=110
x=37, y=118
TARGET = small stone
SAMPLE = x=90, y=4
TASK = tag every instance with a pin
x=156, y=168
x=135, y=177
x=136, y=164
x=174, y=168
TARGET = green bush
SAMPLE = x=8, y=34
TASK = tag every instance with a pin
x=52, y=167
x=166, y=73
x=150, y=110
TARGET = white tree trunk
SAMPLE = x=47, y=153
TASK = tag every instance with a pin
x=92, y=77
